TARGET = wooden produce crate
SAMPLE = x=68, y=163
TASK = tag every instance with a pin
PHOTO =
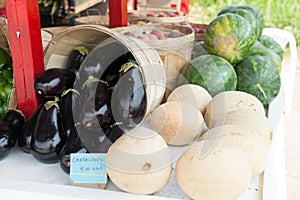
x=167, y=5
x=174, y=52
x=81, y=5
x=144, y=15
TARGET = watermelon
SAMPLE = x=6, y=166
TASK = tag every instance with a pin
x=257, y=14
x=257, y=76
x=212, y=72
x=229, y=36
x=270, y=43
x=270, y=56
x=248, y=16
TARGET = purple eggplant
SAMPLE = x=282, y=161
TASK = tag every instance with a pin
x=73, y=145
x=27, y=130
x=116, y=130
x=99, y=59
x=96, y=111
x=76, y=57
x=48, y=137
x=53, y=82
x=94, y=140
x=10, y=126
x=128, y=99
x=111, y=74
x=70, y=106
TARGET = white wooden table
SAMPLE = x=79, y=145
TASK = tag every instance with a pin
x=23, y=177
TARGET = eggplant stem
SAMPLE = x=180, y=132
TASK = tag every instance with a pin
x=70, y=90
x=116, y=124
x=49, y=104
x=77, y=124
x=56, y=99
x=82, y=50
x=92, y=79
x=125, y=67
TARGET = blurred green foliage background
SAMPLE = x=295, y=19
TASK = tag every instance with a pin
x=284, y=14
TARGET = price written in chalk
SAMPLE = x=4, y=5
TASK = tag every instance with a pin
x=88, y=168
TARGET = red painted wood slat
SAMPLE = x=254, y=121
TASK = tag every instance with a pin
x=27, y=51
x=118, y=13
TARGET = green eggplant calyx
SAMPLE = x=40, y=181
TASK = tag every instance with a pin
x=89, y=80
x=82, y=50
x=77, y=124
x=92, y=79
x=125, y=67
x=70, y=90
x=116, y=124
x=50, y=104
x=112, y=87
x=56, y=99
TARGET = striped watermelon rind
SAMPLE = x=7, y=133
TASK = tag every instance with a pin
x=248, y=15
x=271, y=44
x=258, y=15
x=212, y=72
x=257, y=76
x=260, y=23
x=229, y=36
x=270, y=56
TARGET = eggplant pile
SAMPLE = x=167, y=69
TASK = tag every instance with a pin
x=85, y=107
x=10, y=126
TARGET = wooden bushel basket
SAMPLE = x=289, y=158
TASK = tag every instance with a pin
x=174, y=52
x=153, y=71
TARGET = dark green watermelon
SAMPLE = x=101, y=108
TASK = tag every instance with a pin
x=270, y=56
x=212, y=72
x=257, y=14
x=248, y=15
x=229, y=36
x=257, y=76
x=270, y=43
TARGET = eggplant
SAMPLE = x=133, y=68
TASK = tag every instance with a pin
x=53, y=82
x=48, y=137
x=96, y=112
x=111, y=74
x=73, y=145
x=94, y=140
x=128, y=100
x=99, y=59
x=116, y=130
x=70, y=106
x=76, y=57
x=24, y=138
x=10, y=126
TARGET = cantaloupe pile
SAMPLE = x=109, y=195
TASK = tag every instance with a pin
x=227, y=137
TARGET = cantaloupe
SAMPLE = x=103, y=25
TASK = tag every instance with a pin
x=251, y=119
x=193, y=94
x=228, y=101
x=213, y=170
x=139, y=162
x=179, y=123
x=244, y=138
